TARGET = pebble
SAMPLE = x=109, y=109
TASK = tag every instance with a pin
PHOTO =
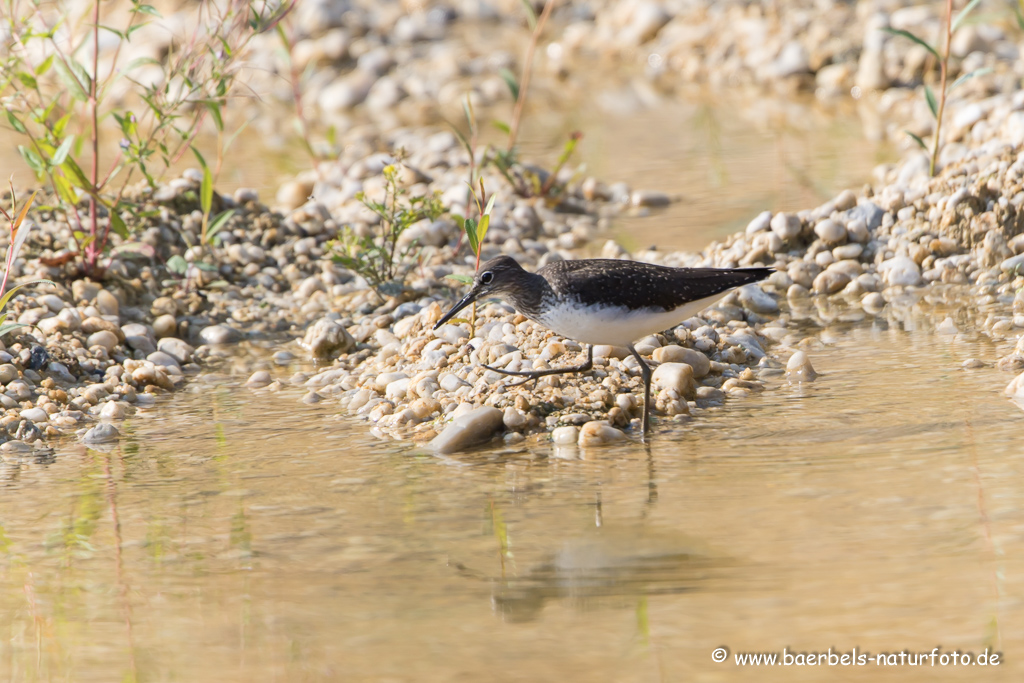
x=649, y=199
x=219, y=334
x=35, y=414
x=104, y=338
x=799, y=368
x=901, y=270
x=8, y=373
x=176, y=348
x=472, y=428
x=599, y=433
x=101, y=433
x=786, y=225
x=1015, y=388
x=755, y=299
x=107, y=303
x=677, y=377
x=260, y=378
x=114, y=410
x=673, y=353
x=830, y=232
x=165, y=326
x=565, y=436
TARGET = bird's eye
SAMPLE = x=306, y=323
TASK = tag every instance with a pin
x=487, y=278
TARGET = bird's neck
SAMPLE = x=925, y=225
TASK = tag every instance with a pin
x=529, y=294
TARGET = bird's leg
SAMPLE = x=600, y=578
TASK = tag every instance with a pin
x=645, y=372
x=537, y=374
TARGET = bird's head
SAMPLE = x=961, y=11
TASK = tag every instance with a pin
x=495, y=278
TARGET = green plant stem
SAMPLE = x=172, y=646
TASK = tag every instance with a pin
x=944, y=70
x=524, y=85
x=92, y=250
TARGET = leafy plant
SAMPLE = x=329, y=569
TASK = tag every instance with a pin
x=937, y=105
x=377, y=257
x=57, y=99
x=15, y=220
x=475, y=231
x=526, y=182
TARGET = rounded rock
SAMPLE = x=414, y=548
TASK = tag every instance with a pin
x=473, y=427
x=830, y=232
x=107, y=303
x=114, y=410
x=35, y=414
x=165, y=326
x=219, y=334
x=677, y=377
x=599, y=433
x=565, y=436
x=101, y=433
x=700, y=363
x=799, y=368
x=260, y=378
x=786, y=225
x=104, y=338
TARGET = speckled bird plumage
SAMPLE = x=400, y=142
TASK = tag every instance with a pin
x=607, y=301
x=603, y=301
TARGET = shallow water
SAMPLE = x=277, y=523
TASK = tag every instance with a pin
x=238, y=537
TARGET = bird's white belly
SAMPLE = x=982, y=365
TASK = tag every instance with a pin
x=617, y=325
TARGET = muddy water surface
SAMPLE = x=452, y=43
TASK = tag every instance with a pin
x=242, y=537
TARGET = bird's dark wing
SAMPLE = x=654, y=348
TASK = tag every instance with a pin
x=643, y=285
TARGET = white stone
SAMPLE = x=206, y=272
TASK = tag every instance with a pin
x=598, y=433
x=473, y=427
x=675, y=376
x=799, y=368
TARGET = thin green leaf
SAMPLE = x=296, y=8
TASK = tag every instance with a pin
x=75, y=174
x=10, y=292
x=202, y=160
x=44, y=66
x=467, y=111
x=177, y=265
x=135, y=250
x=206, y=191
x=28, y=80
x=933, y=105
x=470, y=227
x=15, y=123
x=502, y=126
x=219, y=222
x=963, y=14
x=910, y=36
x=205, y=267
x=511, y=82
x=10, y=327
x=461, y=279
x=61, y=155
x=531, y=14
x=74, y=78
x=485, y=220
x=214, y=110
x=968, y=76
x=64, y=191
x=117, y=224
x=1018, y=13
x=32, y=159
x=917, y=139
x=146, y=9
x=140, y=61
x=462, y=138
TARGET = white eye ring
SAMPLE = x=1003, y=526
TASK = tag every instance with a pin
x=487, y=278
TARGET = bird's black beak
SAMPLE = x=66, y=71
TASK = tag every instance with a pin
x=465, y=301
